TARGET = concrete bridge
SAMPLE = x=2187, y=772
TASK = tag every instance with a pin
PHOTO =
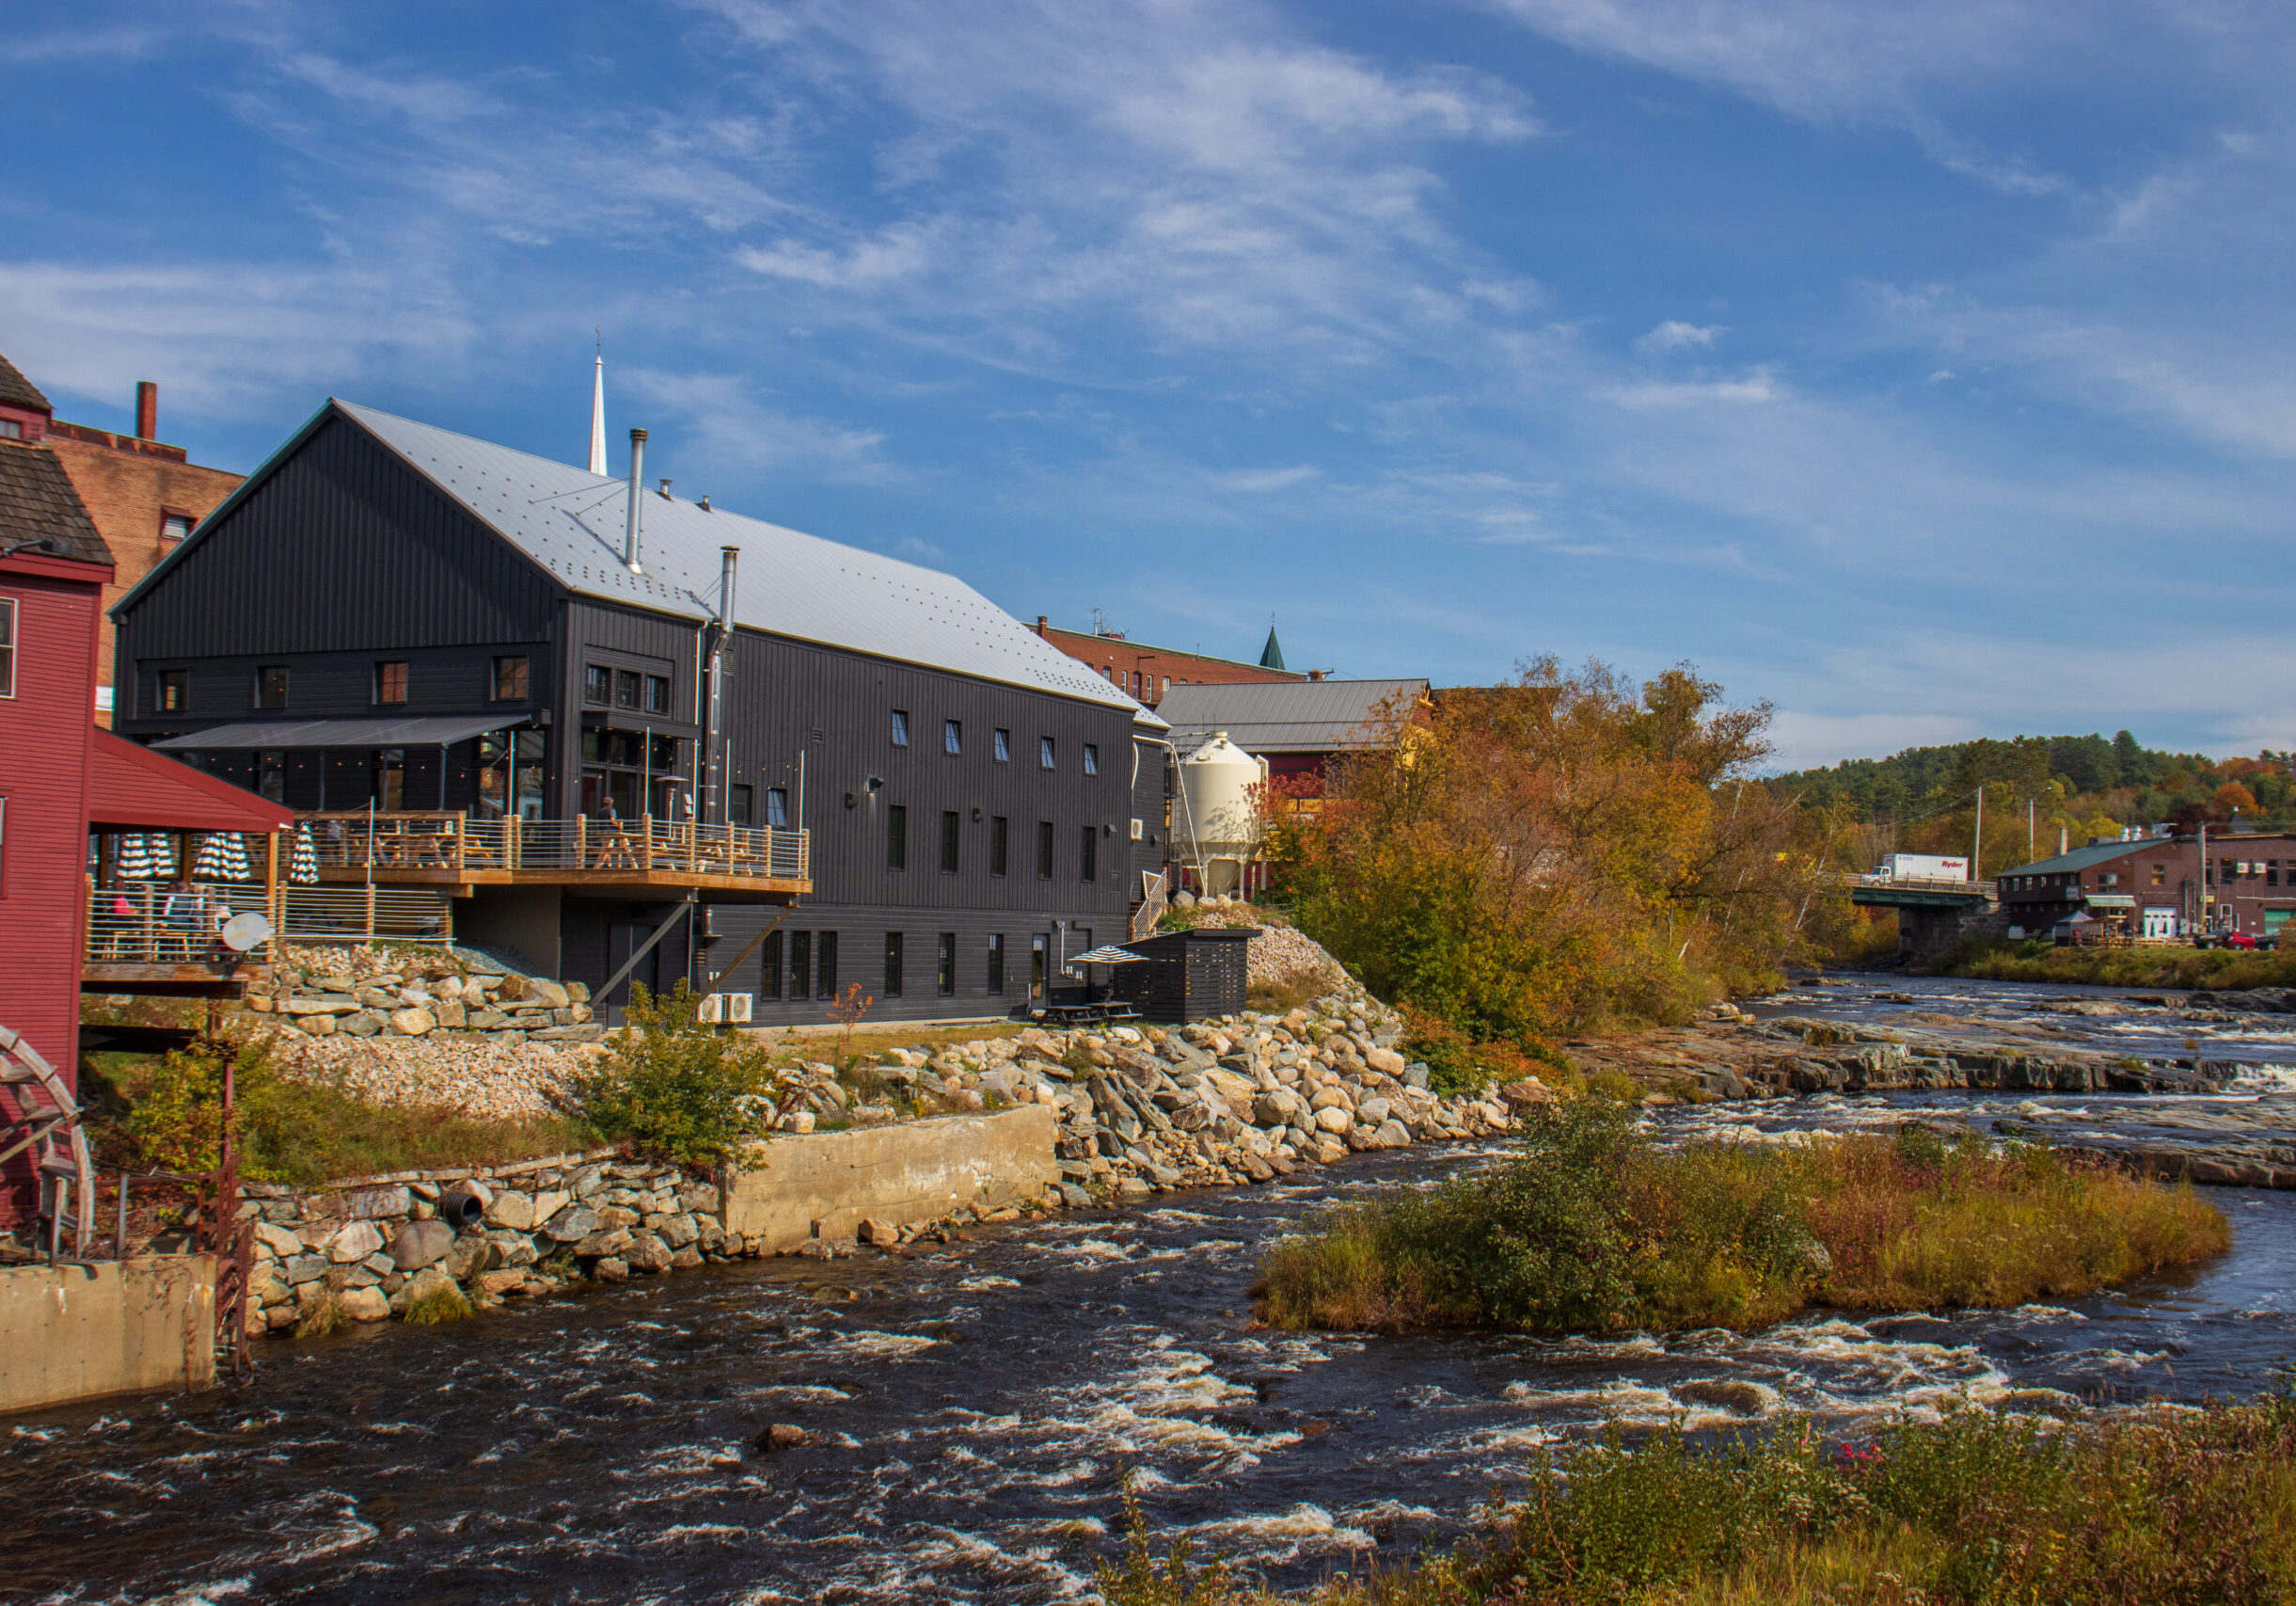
x=1932, y=915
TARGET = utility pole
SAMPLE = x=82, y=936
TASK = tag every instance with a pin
x=2030, y=855
x=1976, y=848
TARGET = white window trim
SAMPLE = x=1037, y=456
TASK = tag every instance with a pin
x=15, y=644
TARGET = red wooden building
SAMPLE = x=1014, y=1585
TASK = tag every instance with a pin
x=61, y=777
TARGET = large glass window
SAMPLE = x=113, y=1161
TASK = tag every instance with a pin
x=1044, y=753
x=271, y=686
x=800, y=964
x=657, y=694
x=1092, y=758
x=174, y=684
x=1003, y=747
x=901, y=728
x=1044, y=849
x=629, y=688
x=740, y=800
x=825, y=983
x=897, y=836
x=597, y=685
x=1089, y=861
x=952, y=736
x=391, y=681
x=777, y=806
x=945, y=964
x=892, y=964
x=999, y=834
x=996, y=961
x=950, y=827
x=510, y=679
x=769, y=967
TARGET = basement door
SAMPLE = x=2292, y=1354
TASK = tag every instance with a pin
x=622, y=939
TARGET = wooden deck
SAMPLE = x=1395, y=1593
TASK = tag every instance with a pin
x=446, y=849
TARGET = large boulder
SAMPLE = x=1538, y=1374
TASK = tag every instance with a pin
x=354, y=1242
x=548, y=993
x=411, y=1022
x=513, y=1211
x=1333, y=1119
x=572, y=1224
x=364, y=1304
x=420, y=1244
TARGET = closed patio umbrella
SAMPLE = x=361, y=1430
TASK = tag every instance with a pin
x=132, y=860
x=304, y=869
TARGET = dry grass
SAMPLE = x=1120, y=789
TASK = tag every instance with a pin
x=1594, y=1227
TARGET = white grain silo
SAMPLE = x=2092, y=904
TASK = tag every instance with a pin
x=1217, y=825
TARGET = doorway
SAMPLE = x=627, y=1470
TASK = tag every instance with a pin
x=623, y=938
x=1039, y=965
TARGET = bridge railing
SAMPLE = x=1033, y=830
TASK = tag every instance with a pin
x=1923, y=884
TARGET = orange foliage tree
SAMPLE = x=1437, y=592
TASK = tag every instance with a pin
x=1555, y=852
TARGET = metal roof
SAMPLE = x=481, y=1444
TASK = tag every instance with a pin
x=570, y=521
x=1282, y=716
x=2095, y=853
x=431, y=731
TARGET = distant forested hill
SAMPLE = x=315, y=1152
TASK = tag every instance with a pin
x=2073, y=786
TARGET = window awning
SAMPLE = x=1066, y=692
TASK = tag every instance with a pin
x=2112, y=901
x=133, y=789
x=432, y=732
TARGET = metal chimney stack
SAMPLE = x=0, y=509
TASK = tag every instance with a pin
x=718, y=804
x=638, y=469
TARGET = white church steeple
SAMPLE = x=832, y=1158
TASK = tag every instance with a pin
x=597, y=416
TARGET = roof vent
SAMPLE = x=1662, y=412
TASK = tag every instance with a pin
x=638, y=470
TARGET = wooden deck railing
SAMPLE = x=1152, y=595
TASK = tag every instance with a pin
x=449, y=840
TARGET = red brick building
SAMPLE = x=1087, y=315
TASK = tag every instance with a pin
x=1147, y=673
x=2160, y=886
x=143, y=495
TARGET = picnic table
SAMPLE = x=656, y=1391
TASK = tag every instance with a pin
x=1084, y=1014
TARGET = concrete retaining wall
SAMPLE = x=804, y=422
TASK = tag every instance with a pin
x=78, y=1332
x=916, y=1171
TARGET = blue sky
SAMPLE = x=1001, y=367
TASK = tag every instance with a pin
x=1929, y=371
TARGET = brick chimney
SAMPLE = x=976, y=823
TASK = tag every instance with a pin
x=147, y=410
x=1040, y=620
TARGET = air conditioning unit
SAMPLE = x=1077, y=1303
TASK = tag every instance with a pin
x=726, y=1009
x=1138, y=831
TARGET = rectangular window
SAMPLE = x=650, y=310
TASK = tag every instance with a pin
x=897, y=836
x=8, y=648
x=996, y=961
x=769, y=969
x=800, y=964
x=510, y=679
x=174, y=687
x=1091, y=862
x=271, y=686
x=825, y=984
x=1003, y=747
x=1092, y=758
x=901, y=728
x=2272, y=872
x=1044, y=849
x=657, y=694
x=271, y=775
x=945, y=964
x=777, y=806
x=597, y=685
x=892, y=964
x=999, y=833
x=11, y=430
x=2159, y=875
x=952, y=736
x=1044, y=753
x=175, y=526
x=629, y=687
x=391, y=681
x=739, y=801
x=949, y=828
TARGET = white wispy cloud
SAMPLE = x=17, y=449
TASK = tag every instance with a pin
x=1676, y=335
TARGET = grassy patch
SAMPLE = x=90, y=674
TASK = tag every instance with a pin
x=2195, y=969
x=1591, y=1227
x=2166, y=1505
x=166, y=1112
x=437, y=1308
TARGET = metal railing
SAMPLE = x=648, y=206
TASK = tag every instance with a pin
x=453, y=841
x=1923, y=884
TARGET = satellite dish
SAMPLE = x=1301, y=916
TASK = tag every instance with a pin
x=243, y=931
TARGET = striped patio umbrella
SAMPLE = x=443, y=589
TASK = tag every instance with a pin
x=162, y=848
x=304, y=869
x=132, y=859
x=236, y=867
x=210, y=864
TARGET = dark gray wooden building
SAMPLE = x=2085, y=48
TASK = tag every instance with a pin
x=388, y=618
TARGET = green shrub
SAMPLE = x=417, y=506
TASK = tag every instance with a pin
x=437, y=1308
x=677, y=1090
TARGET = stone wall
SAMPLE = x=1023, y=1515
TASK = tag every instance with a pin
x=371, y=995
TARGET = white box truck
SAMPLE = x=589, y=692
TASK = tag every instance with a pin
x=1924, y=867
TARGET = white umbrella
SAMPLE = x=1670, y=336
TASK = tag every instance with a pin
x=163, y=855
x=133, y=860
x=304, y=870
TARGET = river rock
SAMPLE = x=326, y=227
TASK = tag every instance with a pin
x=549, y=1202
x=676, y=1230
x=647, y=1252
x=431, y=1282
x=611, y=1269
x=876, y=1229
x=574, y=1222
x=412, y=1022
x=502, y=1284
x=472, y=1253
x=784, y=1436
x=364, y=1304
x=617, y=1215
x=318, y=1026
x=417, y=1244
x=514, y=1210
x=278, y=1241
x=512, y=1248
x=1393, y=1134
x=354, y=1242
x=605, y=1241
x=548, y=993
x=1334, y=1119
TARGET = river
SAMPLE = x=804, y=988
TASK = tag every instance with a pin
x=978, y=1407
